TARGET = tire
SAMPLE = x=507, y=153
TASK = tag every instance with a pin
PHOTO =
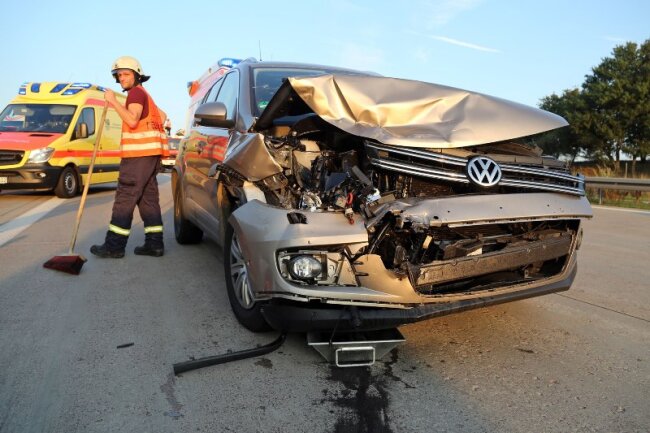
x=184, y=230
x=68, y=183
x=246, y=310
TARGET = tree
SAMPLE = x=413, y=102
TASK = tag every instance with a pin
x=570, y=141
x=641, y=131
x=617, y=93
x=610, y=114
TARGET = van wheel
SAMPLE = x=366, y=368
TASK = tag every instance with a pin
x=185, y=231
x=240, y=293
x=68, y=184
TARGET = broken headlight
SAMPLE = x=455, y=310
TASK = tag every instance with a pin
x=316, y=267
x=305, y=267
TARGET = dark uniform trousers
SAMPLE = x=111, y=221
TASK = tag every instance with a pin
x=136, y=186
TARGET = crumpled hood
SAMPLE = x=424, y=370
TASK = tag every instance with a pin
x=408, y=113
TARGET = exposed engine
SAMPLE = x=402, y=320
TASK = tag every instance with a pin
x=329, y=171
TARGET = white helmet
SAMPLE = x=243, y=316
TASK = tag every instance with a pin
x=128, y=62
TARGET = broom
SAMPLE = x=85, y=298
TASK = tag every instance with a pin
x=72, y=263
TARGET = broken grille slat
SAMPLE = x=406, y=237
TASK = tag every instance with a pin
x=472, y=266
x=452, y=169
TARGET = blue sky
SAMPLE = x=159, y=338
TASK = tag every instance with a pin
x=518, y=50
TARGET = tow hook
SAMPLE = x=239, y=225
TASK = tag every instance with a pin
x=354, y=349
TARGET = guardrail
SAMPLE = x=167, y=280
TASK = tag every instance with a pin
x=620, y=183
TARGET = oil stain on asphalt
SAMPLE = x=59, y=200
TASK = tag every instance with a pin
x=363, y=403
x=168, y=389
x=264, y=362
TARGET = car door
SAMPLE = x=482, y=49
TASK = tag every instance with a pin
x=210, y=145
x=196, y=163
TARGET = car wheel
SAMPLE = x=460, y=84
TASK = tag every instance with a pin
x=185, y=231
x=240, y=293
x=68, y=183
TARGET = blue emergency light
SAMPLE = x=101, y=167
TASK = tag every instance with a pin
x=58, y=87
x=228, y=62
x=76, y=88
x=71, y=91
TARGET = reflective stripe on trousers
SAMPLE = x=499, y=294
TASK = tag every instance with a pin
x=118, y=230
x=136, y=186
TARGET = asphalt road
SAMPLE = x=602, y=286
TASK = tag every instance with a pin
x=578, y=361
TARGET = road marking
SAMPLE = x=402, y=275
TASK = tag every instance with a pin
x=16, y=226
x=621, y=209
x=604, y=308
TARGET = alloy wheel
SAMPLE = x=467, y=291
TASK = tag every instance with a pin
x=239, y=275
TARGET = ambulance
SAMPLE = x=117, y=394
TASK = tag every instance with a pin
x=198, y=89
x=47, y=134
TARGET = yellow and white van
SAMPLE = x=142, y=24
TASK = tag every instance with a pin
x=47, y=134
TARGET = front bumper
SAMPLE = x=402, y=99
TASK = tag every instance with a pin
x=30, y=176
x=385, y=297
x=296, y=317
x=168, y=162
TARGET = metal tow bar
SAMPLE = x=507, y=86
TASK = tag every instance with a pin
x=182, y=367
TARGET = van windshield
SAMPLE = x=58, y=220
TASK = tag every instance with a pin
x=52, y=118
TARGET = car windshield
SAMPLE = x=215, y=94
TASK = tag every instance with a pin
x=267, y=81
x=173, y=143
x=48, y=118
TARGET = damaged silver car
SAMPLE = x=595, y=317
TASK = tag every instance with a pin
x=346, y=200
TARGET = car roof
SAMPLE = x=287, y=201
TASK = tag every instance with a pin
x=252, y=63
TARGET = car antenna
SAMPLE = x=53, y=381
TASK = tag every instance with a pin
x=259, y=45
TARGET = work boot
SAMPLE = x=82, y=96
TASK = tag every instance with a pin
x=148, y=250
x=105, y=253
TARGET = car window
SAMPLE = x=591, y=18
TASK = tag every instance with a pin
x=212, y=94
x=87, y=116
x=228, y=94
x=267, y=81
x=173, y=143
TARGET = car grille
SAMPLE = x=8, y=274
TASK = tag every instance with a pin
x=11, y=157
x=422, y=163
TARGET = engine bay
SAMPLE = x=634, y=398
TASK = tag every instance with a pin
x=326, y=170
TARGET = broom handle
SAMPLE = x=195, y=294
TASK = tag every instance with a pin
x=88, y=177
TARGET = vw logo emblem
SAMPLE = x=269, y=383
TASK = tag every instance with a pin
x=483, y=171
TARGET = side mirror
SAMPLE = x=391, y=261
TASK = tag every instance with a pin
x=80, y=131
x=213, y=114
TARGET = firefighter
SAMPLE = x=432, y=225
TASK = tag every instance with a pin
x=143, y=144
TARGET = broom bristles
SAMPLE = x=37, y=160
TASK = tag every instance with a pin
x=70, y=264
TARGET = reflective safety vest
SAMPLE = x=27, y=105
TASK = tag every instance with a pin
x=147, y=138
